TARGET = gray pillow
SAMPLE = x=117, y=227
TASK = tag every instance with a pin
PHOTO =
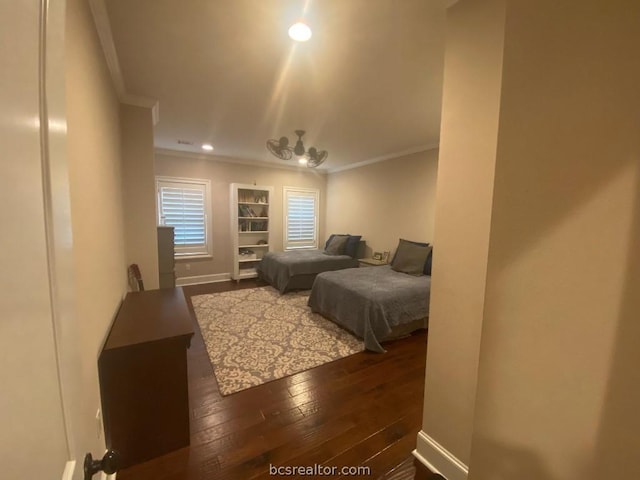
x=410, y=257
x=336, y=245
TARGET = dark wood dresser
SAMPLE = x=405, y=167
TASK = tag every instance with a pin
x=143, y=376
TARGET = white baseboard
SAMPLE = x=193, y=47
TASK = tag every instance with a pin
x=198, y=279
x=69, y=468
x=438, y=459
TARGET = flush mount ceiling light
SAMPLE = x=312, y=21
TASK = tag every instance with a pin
x=208, y=147
x=300, y=32
x=281, y=149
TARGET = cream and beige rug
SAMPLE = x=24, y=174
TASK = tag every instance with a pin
x=256, y=335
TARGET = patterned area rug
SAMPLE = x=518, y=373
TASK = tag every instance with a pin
x=256, y=335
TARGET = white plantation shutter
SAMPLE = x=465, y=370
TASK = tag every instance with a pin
x=183, y=204
x=183, y=208
x=301, y=218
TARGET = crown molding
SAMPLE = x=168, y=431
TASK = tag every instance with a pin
x=145, y=102
x=155, y=113
x=236, y=160
x=103, y=27
x=273, y=164
x=138, y=100
x=364, y=163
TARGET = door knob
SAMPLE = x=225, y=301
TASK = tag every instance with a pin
x=108, y=464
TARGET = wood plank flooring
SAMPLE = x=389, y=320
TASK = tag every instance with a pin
x=361, y=411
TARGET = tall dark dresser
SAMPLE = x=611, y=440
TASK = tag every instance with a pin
x=166, y=262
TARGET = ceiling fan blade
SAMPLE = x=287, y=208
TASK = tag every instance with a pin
x=276, y=148
x=317, y=159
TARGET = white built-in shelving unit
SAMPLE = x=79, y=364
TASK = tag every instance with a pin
x=250, y=226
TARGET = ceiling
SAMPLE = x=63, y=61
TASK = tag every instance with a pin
x=366, y=86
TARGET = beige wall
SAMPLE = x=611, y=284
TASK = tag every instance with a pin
x=97, y=219
x=139, y=194
x=222, y=174
x=550, y=197
x=558, y=382
x=32, y=436
x=385, y=201
x=462, y=222
x=63, y=245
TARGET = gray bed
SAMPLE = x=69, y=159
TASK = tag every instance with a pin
x=297, y=269
x=375, y=303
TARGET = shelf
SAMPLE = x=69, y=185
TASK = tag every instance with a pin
x=247, y=273
x=250, y=227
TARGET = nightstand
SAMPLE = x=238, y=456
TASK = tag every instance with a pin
x=371, y=262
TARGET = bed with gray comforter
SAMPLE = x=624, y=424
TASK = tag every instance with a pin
x=297, y=269
x=375, y=303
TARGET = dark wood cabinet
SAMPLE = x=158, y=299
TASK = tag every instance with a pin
x=166, y=261
x=143, y=376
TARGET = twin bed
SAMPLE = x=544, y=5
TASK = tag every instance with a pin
x=375, y=303
x=297, y=269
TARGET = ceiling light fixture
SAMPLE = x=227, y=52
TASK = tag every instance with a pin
x=300, y=32
x=281, y=149
x=207, y=147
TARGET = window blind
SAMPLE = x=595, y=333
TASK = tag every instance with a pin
x=301, y=218
x=183, y=206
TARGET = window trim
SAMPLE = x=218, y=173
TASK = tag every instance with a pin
x=207, y=251
x=285, y=210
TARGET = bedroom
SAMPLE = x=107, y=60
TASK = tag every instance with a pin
x=388, y=186
x=543, y=162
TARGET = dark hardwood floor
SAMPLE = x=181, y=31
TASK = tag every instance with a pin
x=364, y=410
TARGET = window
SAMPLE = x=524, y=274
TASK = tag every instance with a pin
x=300, y=218
x=185, y=204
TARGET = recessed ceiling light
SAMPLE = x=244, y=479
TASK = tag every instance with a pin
x=300, y=32
x=207, y=147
